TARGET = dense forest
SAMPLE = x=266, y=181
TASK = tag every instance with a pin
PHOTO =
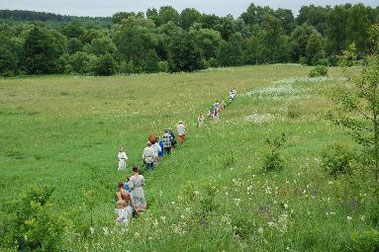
x=165, y=40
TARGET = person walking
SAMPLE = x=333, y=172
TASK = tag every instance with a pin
x=137, y=182
x=200, y=120
x=160, y=153
x=181, y=130
x=122, y=157
x=167, y=140
x=149, y=157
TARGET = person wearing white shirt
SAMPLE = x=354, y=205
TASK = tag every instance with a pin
x=122, y=157
x=181, y=129
x=149, y=156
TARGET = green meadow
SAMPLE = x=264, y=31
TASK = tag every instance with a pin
x=212, y=193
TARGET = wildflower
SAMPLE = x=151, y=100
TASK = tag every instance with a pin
x=285, y=205
x=349, y=218
x=260, y=230
x=271, y=223
x=330, y=182
x=136, y=234
x=163, y=219
x=91, y=230
x=363, y=217
x=106, y=231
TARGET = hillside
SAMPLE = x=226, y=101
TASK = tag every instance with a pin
x=27, y=16
x=212, y=194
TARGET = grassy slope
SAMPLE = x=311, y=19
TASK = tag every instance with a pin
x=65, y=131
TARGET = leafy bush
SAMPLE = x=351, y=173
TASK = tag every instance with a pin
x=105, y=65
x=29, y=224
x=318, y=71
x=336, y=159
x=272, y=159
x=163, y=66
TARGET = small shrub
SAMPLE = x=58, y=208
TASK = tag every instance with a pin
x=318, y=71
x=212, y=62
x=272, y=160
x=30, y=225
x=163, y=66
x=336, y=159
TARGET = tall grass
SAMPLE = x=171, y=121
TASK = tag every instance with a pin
x=212, y=194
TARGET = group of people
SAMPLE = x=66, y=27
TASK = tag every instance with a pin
x=130, y=195
x=157, y=147
x=214, y=111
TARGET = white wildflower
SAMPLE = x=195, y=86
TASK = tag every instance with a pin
x=260, y=230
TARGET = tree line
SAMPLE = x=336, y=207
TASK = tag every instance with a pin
x=165, y=40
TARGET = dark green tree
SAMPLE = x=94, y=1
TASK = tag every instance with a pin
x=231, y=52
x=101, y=46
x=314, y=52
x=184, y=54
x=10, y=55
x=188, y=17
x=167, y=14
x=105, y=65
x=42, y=49
x=299, y=41
x=74, y=45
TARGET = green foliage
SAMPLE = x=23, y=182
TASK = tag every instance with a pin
x=211, y=194
x=260, y=35
x=101, y=46
x=163, y=66
x=30, y=224
x=318, y=71
x=188, y=17
x=74, y=45
x=10, y=55
x=42, y=50
x=273, y=160
x=348, y=57
x=105, y=65
x=337, y=158
x=184, y=54
x=82, y=62
x=314, y=52
x=231, y=52
x=300, y=38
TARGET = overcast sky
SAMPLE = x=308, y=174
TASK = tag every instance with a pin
x=109, y=7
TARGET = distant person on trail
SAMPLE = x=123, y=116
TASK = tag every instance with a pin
x=149, y=157
x=200, y=120
x=167, y=140
x=181, y=129
x=156, y=147
x=232, y=94
x=161, y=151
x=216, y=106
x=137, y=182
x=122, y=159
x=173, y=140
x=223, y=105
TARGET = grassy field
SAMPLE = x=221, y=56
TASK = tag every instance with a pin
x=211, y=194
